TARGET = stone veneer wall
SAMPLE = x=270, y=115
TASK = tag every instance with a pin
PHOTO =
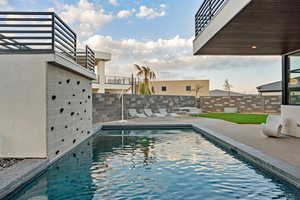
x=245, y=104
x=107, y=107
x=69, y=110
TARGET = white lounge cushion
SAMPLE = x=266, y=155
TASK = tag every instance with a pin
x=164, y=112
x=133, y=113
x=149, y=112
x=273, y=126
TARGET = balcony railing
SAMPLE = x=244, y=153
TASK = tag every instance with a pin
x=119, y=80
x=39, y=32
x=206, y=12
x=87, y=58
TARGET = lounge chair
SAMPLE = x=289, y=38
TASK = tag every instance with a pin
x=133, y=113
x=164, y=112
x=149, y=113
x=273, y=126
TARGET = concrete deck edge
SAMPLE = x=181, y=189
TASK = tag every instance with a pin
x=19, y=174
x=274, y=165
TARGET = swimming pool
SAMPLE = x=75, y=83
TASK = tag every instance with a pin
x=154, y=164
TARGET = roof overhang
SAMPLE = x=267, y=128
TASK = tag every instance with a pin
x=102, y=56
x=252, y=27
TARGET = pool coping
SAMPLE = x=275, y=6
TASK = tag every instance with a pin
x=19, y=174
x=25, y=171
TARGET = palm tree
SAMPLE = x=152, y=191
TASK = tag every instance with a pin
x=147, y=74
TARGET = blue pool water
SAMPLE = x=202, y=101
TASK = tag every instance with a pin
x=154, y=164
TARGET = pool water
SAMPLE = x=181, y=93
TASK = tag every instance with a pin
x=154, y=164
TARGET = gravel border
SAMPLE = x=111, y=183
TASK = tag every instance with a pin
x=8, y=162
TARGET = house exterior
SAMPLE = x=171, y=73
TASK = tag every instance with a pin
x=181, y=87
x=46, y=100
x=223, y=93
x=260, y=28
x=110, y=84
x=270, y=89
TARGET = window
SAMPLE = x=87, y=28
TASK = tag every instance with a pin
x=188, y=88
x=164, y=88
x=292, y=80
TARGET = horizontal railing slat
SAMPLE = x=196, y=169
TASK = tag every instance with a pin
x=24, y=31
x=25, y=37
x=25, y=25
x=26, y=19
x=24, y=13
x=26, y=43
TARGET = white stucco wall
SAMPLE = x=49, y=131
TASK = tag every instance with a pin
x=292, y=115
x=23, y=106
x=69, y=105
x=271, y=93
x=34, y=124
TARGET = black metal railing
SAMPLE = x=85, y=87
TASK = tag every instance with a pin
x=39, y=32
x=87, y=58
x=206, y=12
x=119, y=80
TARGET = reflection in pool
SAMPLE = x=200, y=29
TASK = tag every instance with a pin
x=157, y=164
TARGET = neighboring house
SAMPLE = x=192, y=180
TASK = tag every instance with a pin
x=223, y=93
x=106, y=83
x=244, y=27
x=181, y=87
x=270, y=89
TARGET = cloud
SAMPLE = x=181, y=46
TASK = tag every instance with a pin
x=86, y=16
x=5, y=6
x=172, y=59
x=113, y=2
x=150, y=13
x=124, y=14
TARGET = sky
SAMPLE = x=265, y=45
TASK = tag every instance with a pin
x=156, y=33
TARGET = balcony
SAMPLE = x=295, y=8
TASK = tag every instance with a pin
x=41, y=33
x=247, y=27
x=206, y=12
x=119, y=80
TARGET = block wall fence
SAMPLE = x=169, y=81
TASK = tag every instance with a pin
x=107, y=107
x=244, y=104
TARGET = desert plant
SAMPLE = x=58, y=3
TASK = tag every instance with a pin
x=227, y=86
